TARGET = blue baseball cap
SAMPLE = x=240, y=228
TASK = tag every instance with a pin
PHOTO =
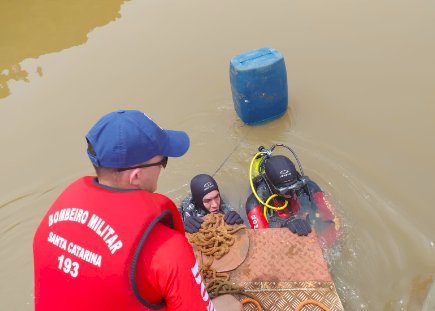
x=125, y=138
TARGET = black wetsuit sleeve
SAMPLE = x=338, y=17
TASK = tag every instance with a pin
x=312, y=186
x=251, y=202
x=188, y=209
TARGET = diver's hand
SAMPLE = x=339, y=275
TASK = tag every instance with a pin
x=275, y=224
x=275, y=221
x=192, y=224
x=233, y=218
x=299, y=225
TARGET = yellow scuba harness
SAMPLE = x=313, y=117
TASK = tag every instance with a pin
x=258, y=160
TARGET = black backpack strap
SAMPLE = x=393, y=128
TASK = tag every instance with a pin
x=133, y=282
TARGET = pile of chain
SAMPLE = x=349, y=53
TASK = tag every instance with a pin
x=214, y=240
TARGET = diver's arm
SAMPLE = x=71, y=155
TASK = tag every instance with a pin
x=321, y=205
x=322, y=218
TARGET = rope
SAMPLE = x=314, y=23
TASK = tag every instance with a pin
x=215, y=236
x=231, y=153
x=312, y=302
x=214, y=239
x=250, y=300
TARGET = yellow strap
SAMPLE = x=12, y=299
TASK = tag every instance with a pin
x=279, y=208
x=265, y=204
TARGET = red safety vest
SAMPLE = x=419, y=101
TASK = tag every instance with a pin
x=84, y=246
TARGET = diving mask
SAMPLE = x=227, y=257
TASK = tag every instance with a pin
x=289, y=189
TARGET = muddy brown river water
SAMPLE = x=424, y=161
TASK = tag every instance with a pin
x=361, y=117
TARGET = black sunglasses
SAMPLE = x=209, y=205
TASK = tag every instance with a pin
x=163, y=163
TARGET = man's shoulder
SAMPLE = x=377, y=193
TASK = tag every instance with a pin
x=156, y=198
x=162, y=234
x=311, y=184
x=81, y=181
x=165, y=242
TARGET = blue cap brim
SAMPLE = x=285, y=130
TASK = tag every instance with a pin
x=177, y=144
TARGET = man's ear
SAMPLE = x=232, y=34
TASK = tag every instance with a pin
x=133, y=177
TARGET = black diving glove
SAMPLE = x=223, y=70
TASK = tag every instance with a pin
x=275, y=221
x=233, y=218
x=299, y=225
x=192, y=224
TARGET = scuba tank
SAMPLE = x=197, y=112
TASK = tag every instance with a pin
x=308, y=199
x=260, y=213
x=254, y=209
x=255, y=215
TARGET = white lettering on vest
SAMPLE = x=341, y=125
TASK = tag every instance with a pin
x=210, y=306
x=57, y=240
x=106, y=232
x=68, y=214
x=203, y=290
x=84, y=254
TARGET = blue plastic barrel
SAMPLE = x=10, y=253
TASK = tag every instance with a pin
x=259, y=85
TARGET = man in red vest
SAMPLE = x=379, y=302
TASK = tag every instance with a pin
x=110, y=242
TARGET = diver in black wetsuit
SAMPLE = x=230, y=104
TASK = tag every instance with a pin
x=205, y=198
x=283, y=197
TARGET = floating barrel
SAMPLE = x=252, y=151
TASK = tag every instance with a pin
x=259, y=85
